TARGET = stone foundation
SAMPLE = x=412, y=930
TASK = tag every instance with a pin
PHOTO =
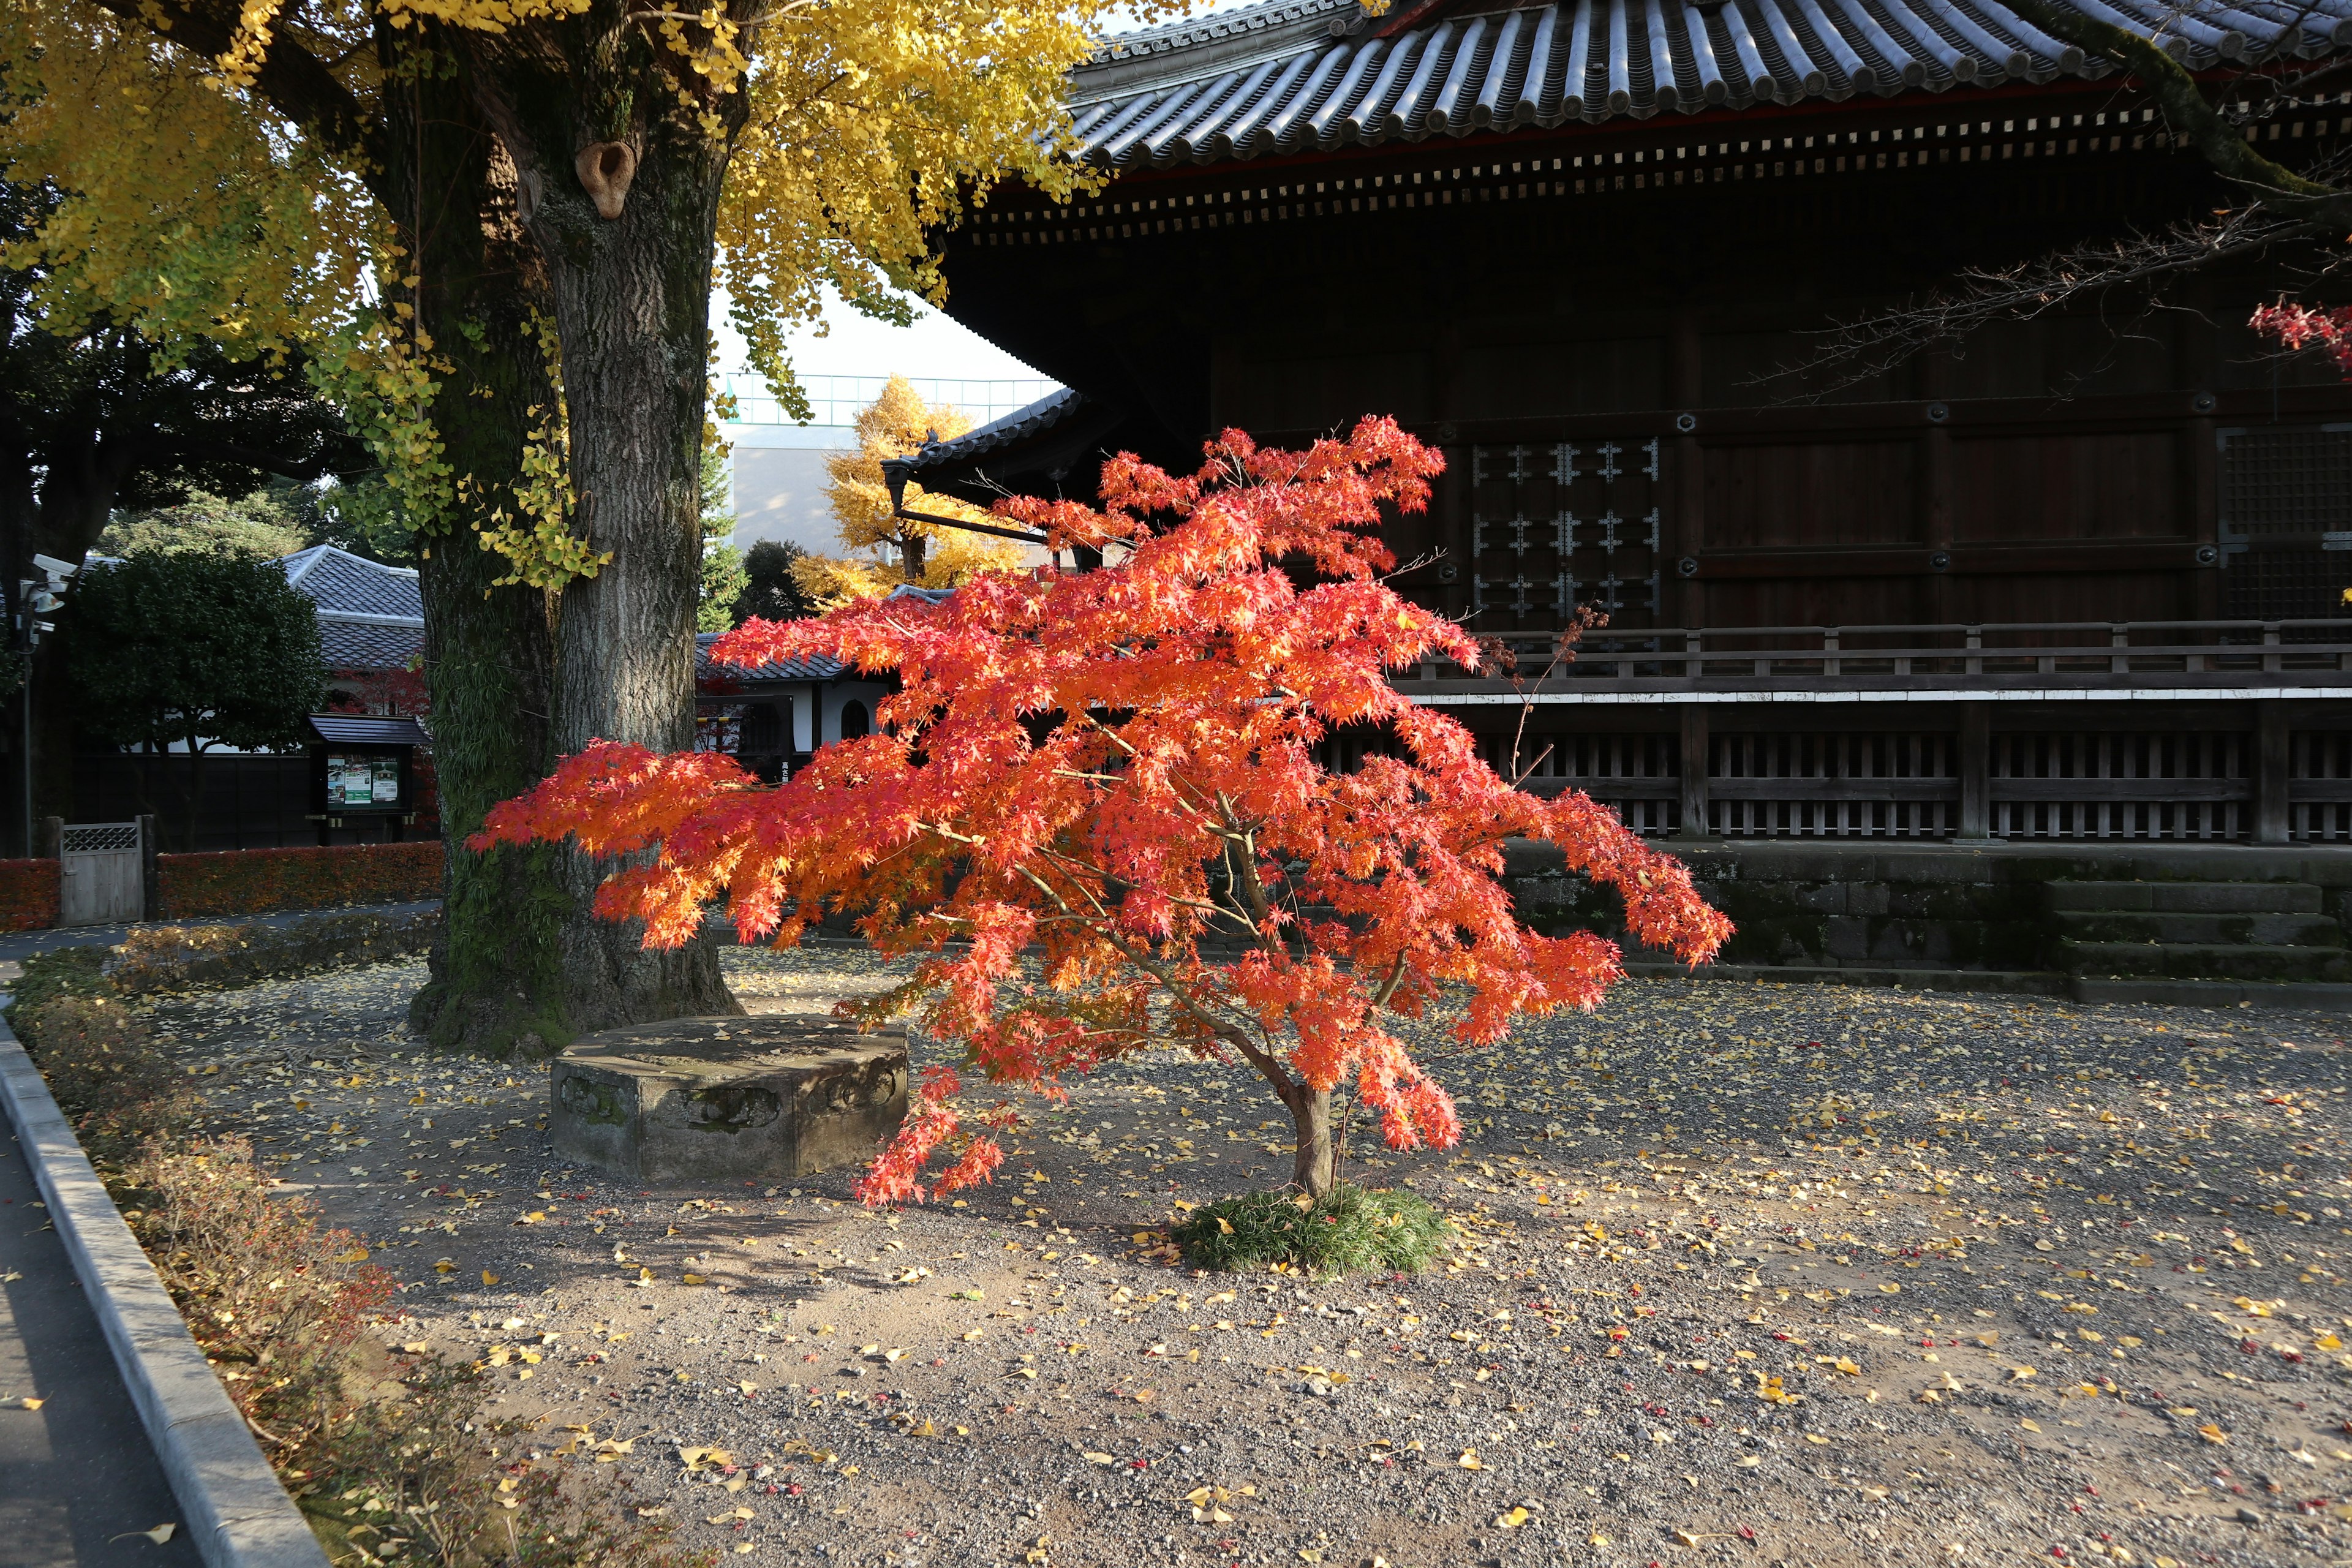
x=708, y=1100
x=1872, y=904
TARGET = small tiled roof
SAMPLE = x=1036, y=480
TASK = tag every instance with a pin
x=1037, y=418
x=1274, y=78
x=370, y=616
x=340, y=580
x=707, y=668
x=360, y=728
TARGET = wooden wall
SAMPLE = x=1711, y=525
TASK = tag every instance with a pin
x=2064, y=468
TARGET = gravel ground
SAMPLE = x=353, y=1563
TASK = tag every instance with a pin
x=1747, y=1273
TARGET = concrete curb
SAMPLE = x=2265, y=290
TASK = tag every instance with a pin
x=236, y=1512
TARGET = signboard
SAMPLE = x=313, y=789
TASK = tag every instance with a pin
x=362, y=779
x=359, y=778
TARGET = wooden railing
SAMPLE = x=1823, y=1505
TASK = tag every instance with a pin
x=2069, y=653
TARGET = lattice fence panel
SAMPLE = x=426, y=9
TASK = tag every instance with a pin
x=1834, y=786
x=1639, y=776
x=98, y=837
x=2192, y=785
x=2320, y=757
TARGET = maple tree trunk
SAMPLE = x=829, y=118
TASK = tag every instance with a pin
x=1315, y=1160
x=496, y=982
x=632, y=305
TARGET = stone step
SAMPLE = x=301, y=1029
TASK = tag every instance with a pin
x=2185, y=898
x=2267, y=929
x=2203, y=961
x=2306, y=996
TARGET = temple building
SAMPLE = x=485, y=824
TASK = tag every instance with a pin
x=2075, y=578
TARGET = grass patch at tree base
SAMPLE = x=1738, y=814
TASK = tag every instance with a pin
x=1347, y=1229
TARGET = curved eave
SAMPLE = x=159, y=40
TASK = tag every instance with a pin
x=1597, y=60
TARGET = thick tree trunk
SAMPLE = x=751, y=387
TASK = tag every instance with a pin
x=1314, y=1162
x=497, y=980
x=630, y=279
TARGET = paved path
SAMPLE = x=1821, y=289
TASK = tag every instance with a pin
x=22, y=944
x=77, y=1475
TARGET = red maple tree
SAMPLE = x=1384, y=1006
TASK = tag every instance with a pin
x=1117, y=772
x=2302, y=327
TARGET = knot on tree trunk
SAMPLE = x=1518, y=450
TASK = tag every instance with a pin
x=605, y=170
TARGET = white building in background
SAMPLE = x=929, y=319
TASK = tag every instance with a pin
x=777, y=466
x=778, y=479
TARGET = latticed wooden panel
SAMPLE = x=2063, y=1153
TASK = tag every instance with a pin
x=2285, y=582
x=1637, y=776
x=2319, y=764
x=2287, y=480
x=2181, y=786
x=1832, y=786
x=1558, y=526
x=2284, y=490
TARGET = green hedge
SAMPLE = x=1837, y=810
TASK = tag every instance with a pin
x=28, y=895
x=256, y=881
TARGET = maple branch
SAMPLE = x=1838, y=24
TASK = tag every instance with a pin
x=1229, y=1032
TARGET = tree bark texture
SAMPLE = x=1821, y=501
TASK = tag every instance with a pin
x=497, y=980
x=1314, y=1162
x=631, y=304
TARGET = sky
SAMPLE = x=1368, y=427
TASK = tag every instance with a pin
x=933, y=346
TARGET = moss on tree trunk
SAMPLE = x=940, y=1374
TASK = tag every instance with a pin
x=631, y=290
x=497, y=977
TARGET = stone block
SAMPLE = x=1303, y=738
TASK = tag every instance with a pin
x=707, y=1099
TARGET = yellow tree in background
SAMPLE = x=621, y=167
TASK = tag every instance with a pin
x=887, y=550
x=493, y=227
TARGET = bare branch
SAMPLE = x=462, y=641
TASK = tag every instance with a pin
x=1853, y=352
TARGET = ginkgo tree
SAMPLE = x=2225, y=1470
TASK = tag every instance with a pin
x=494, y=228
x=891, y=539
x=1097, y=804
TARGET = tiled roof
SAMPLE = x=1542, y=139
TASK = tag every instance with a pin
x=370, y=616
x=368, y=729
x=340, y=580
x=1021, y=422
x=707, y=668
x=1262, y=81
x=346, y=646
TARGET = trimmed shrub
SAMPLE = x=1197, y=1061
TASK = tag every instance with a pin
x=1349, y=1228
x=107, y=1075
x=258, y=881
x=28, y=895
x=181, y=958
x=62, y=971
x=401, y=1463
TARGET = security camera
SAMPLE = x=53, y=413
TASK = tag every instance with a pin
x=55, y=567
